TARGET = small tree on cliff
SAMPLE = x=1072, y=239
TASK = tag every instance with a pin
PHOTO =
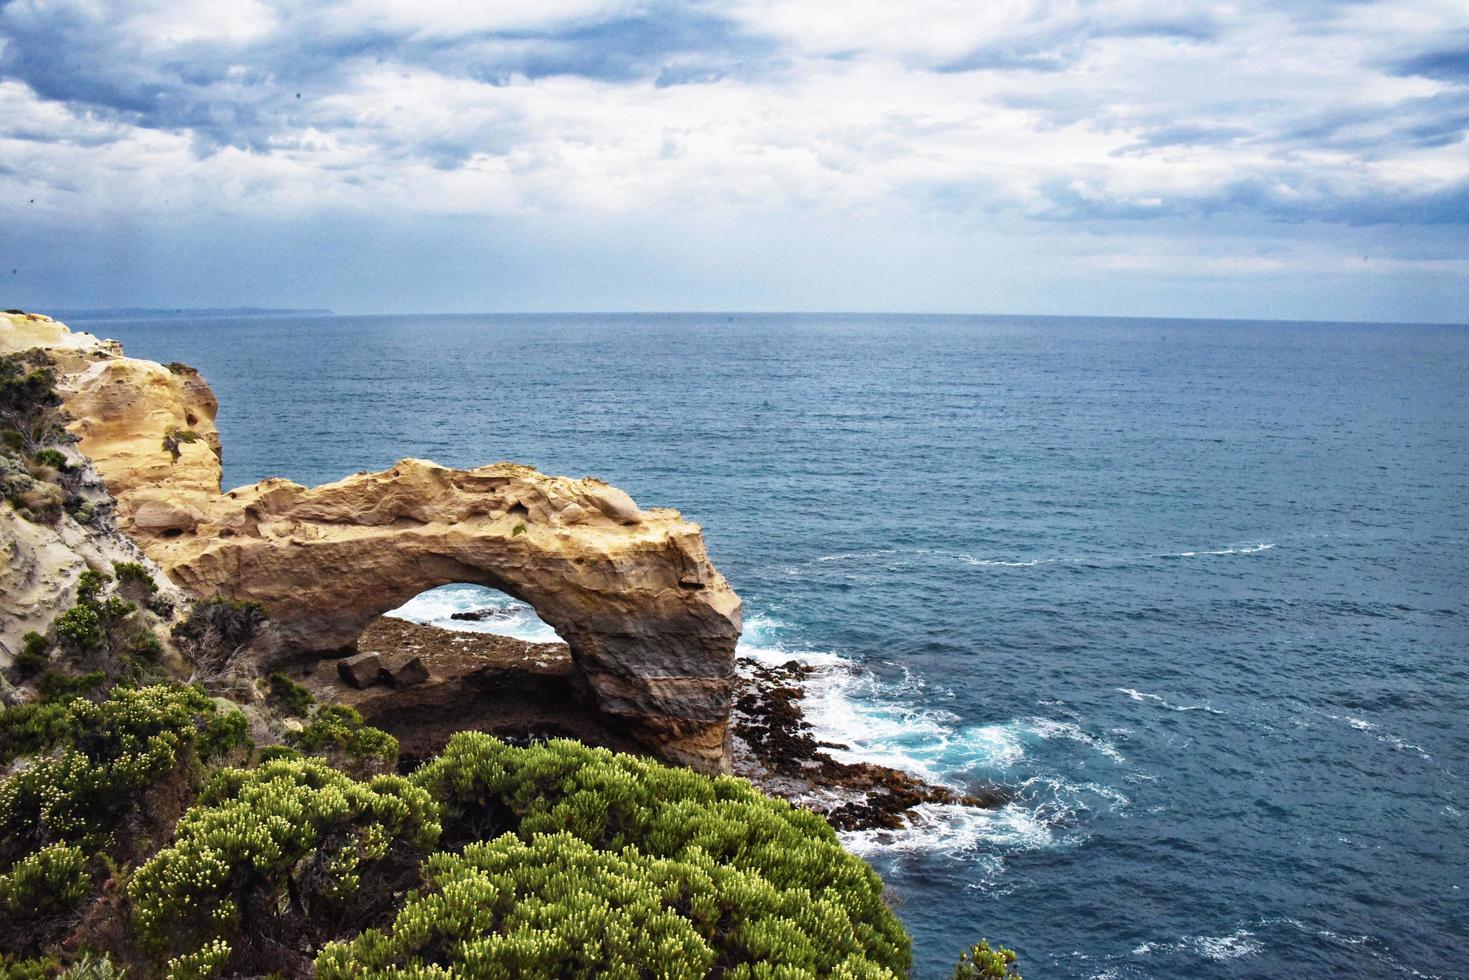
x=216, y=632
x=31, y=417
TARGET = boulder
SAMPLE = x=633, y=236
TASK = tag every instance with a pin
x=361, y=670
x=404, y=670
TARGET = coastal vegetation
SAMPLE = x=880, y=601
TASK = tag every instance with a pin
x=985, y=963
x=145, y=827
x=31, y=416
x=35, y=476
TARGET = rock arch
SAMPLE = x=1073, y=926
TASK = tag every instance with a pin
x=651, y=623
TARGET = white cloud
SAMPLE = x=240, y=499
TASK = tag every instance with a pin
x=1074, y=115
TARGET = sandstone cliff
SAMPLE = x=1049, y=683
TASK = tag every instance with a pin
x=651, y=624
x=40, y=564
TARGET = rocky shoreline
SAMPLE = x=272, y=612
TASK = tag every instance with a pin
x=525, y=691
x=776, y=750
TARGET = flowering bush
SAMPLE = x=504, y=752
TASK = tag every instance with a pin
x=287, y=842
x=338, y=732
x=106, y=756
x=556, y=907
x=802, y=899
x=52, y=881
x=984, y=963
x=561, y=860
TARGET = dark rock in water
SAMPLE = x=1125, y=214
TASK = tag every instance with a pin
x=402, y=671
x=774, y=749
x=359, y=671
x=477, y=615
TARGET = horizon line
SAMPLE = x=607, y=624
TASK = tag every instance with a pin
x=219, y=312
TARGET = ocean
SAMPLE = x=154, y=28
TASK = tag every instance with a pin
x=1193, y=591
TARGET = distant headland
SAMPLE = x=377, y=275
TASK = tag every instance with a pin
x=140, y=312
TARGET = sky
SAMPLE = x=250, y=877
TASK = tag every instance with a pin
x=1288, y=160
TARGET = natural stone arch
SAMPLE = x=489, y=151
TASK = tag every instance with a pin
x=650, y=623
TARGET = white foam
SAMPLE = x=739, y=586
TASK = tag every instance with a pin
x=891, y=722
x=849, y=556
x=1233, y=946
x=1049, y=728
x=1243, y=549
x=1237, y=944
x=847, y=705
x=1396, y=741
x=958, y=831
x=1162, y=702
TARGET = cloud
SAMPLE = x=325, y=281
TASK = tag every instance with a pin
x=946, y=117
x=240, y=74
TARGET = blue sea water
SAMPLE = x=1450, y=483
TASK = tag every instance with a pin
x=1194, y=591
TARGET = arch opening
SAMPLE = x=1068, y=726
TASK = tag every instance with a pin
x=488, y=663
x=466, y=608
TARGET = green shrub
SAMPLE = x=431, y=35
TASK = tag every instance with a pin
x=91, y=584
x=338, y=732
x=100, y=629
x=90, y=967
x=560, y=860
x=86, y=626
x=44, y=968
x=612, y=801
x=59, y=686
x=31, y=416
x=270, y=753
x=52, y=458
x=228, y=730
x=33, y=727
x=143, y=644
x=293, y=839
x=80, y=629
x=86, y=967
x=110, y=755
x=556, y=907
x=134, y=578
x=201, y=964
x=290, y=696
x=983, y=963
x=34, y=652
x=52, y=881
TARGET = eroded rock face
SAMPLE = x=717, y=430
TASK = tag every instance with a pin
x=650, y=622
